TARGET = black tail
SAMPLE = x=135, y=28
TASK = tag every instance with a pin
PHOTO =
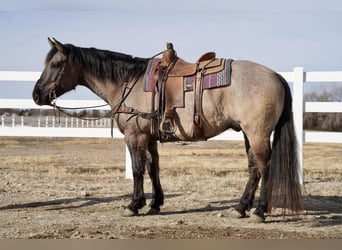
x=284, y=187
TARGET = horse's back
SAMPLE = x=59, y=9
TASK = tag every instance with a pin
x=254, y=85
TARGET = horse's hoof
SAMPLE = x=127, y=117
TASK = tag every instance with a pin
x=153, y=211
x=257, y=219
x=237, y=214
x=129, y=213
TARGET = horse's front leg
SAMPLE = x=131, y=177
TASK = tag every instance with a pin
x=137, y=147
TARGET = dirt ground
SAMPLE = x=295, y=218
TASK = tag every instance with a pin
x=75, y=188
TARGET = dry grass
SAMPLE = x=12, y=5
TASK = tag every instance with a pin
x=323, y=160
x=42, y=180
x=104, y=156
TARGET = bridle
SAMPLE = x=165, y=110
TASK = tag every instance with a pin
x=52, y=90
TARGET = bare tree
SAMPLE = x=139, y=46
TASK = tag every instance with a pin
x=324, y=121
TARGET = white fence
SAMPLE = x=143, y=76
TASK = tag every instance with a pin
x=298, y=77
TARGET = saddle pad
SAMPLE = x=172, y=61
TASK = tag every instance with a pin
x=149, y=74
x=219, y=79
x=214, y=80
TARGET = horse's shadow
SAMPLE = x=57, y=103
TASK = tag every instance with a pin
x=213, y=206
x=74, y=202
x=323, y=204
x=79, y=202
x=327, y=209
x=60, y=204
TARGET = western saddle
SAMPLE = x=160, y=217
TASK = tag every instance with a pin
x=170, y=86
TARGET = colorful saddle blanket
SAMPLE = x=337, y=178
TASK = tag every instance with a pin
x=213, y=80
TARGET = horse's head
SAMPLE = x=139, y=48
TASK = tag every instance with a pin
x=59, y=75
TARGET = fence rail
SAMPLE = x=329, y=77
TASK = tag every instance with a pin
x=298, y=77
x=29, y=103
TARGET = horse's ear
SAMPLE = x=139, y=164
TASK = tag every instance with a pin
x=59, y=46
x=52, y=44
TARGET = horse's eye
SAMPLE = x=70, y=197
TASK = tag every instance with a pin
x=56, y=64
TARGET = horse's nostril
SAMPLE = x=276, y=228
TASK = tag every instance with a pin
x=36, y=95
x=36, y=98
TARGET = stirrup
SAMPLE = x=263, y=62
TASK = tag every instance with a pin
x=167, y=125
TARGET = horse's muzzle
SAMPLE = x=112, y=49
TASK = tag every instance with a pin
x=39, y=97
x=36, y=96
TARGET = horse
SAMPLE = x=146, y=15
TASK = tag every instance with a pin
x=258, y=102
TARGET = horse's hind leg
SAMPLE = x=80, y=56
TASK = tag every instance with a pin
x=261, y=148
x=246, y=201
x=153, y=171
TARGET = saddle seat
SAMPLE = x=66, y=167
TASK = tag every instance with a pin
x=207, y=62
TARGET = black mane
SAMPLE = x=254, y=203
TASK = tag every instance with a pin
x=104, y=64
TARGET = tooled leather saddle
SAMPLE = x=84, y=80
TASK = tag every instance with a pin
x=169, y=77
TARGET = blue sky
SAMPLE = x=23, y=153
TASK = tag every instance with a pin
x=279, y=34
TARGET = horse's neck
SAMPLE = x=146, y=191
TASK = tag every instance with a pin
x=105, y=89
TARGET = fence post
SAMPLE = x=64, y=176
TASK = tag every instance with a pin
x=129, y=173
x=297, y=105
x=13, y=121
x=2, y=121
